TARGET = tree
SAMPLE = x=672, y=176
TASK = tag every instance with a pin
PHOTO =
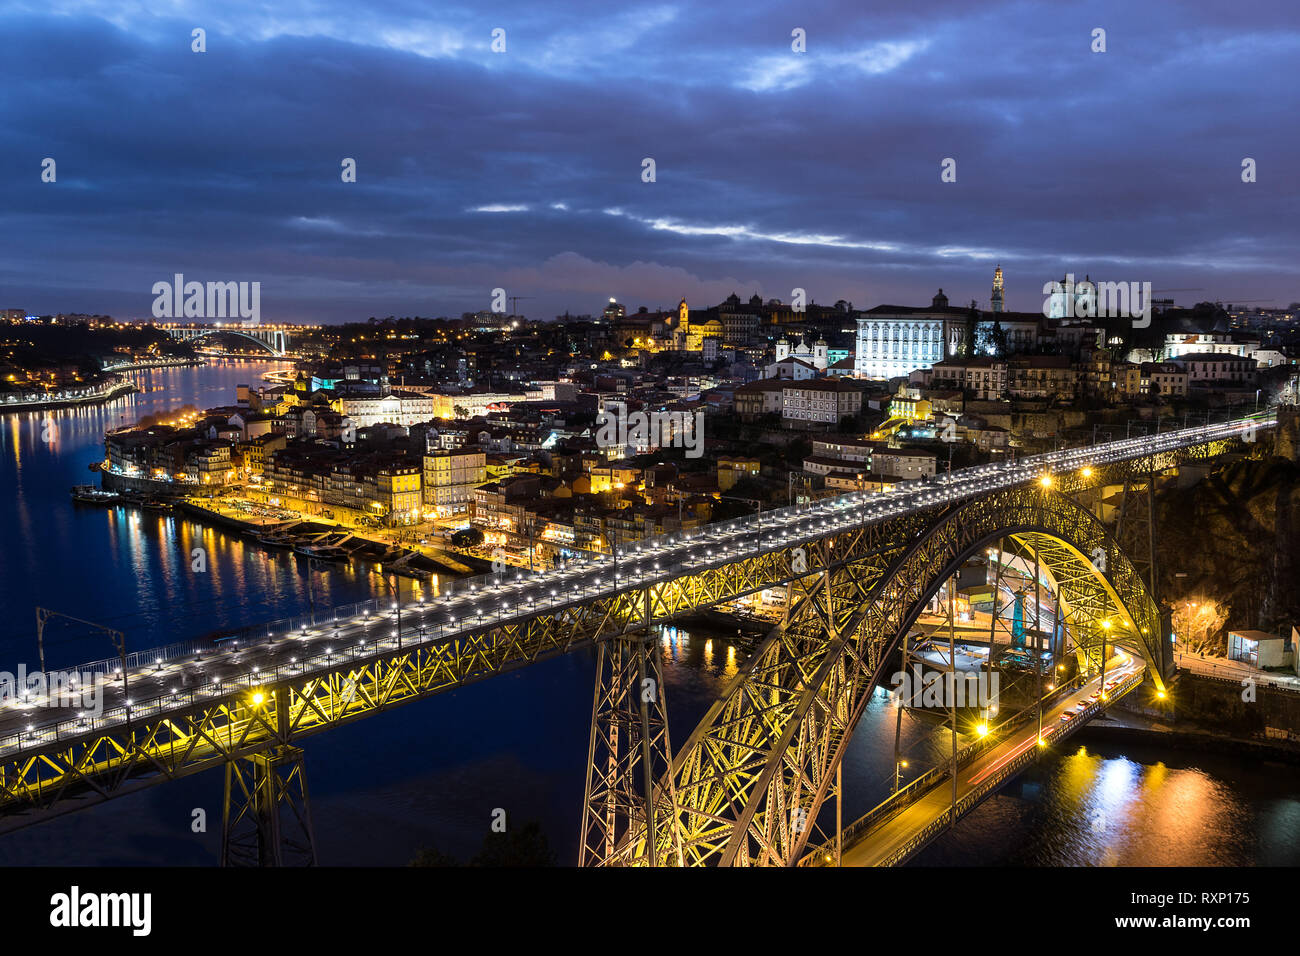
x=524, y=846
x=1198, y=625
x=430, y=856
x=467, y=538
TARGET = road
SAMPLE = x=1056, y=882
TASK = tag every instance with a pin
x=891, y=835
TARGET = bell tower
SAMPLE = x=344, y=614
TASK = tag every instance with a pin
x=997, y=289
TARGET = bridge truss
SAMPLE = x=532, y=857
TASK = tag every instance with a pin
x=749, y=779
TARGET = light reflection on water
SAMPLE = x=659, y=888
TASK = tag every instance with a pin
x=1140, y=806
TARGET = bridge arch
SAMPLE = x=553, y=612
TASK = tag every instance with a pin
x=764, y=757
x=272, y=340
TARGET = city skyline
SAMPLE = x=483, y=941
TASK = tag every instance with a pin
x=523, y=169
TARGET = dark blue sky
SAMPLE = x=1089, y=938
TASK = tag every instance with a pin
x=522, y=169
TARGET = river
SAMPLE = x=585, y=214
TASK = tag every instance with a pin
x=433, y=773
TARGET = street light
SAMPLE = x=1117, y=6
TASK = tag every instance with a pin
x=898, y=765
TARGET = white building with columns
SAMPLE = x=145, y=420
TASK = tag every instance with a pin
x=896, y=340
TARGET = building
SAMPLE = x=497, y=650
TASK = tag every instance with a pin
x=905, y=464
x=1260, y=649
x=896, y=340
x=450, y=477
x=389, y=492
x=1178, y=344
x=398, y=407
x=983, y=377
x=855, y=453
x=732, y=469
x=756, y=399
x=817, y=355
x=1041, y=377
x=1216, y=368
x=821, y=401
x=790, y=367
x=208, y=463
x=1164, y=380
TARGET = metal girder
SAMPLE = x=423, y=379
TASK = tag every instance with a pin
x=266, y=816
x=247, y=719
x=758, y=767
x=628, y=755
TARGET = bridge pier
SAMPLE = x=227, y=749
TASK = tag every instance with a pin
x=266, y=817
x=628, y=754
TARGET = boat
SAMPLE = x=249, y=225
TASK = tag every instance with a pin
x=276, y=540
x=321, y=552
x=90, y=495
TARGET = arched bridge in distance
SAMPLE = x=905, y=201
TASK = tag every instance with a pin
x=753, y=781
x=275, y=340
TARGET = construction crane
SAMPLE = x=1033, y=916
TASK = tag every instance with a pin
x=514, y=308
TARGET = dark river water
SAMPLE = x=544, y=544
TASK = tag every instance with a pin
x=432, y=773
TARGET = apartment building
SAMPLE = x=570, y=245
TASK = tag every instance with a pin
x=450, y=477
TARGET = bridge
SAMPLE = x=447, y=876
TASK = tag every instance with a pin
x=914, y=816
x=858, y=569
x=272, y=338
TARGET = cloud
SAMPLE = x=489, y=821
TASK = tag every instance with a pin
x=792, y=70
x=500, y=207
x=774, y=169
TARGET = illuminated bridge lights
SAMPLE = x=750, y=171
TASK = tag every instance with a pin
x=862, y=579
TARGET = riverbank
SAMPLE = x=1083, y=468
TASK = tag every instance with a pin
x=1124, y=727
x=52, y=402
x=161, y=363
x=322, y=539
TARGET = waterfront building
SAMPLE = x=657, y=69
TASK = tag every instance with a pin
x=450, y=477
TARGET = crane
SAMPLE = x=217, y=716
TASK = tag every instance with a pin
x=514, y=308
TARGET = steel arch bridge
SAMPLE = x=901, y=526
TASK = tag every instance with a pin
x=275, y=341
x=765, y=755
x=857, y=570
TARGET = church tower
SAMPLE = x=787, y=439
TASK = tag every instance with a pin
x=997, y=289
x=683, y=316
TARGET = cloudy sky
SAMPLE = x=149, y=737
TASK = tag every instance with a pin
x=522, y=169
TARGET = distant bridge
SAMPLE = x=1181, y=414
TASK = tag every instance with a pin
x=274, y=340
